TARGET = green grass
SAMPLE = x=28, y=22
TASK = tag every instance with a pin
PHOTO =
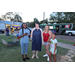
x=13, y=54
x=65, y=41
x=10, y=38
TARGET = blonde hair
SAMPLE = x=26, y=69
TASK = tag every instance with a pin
x=45, y=28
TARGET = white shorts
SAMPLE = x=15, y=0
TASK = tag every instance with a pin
x=52, y=51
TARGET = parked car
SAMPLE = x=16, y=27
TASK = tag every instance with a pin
x=70, y=32
x=1, y=31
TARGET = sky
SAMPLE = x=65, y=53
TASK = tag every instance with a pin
x=29, y=16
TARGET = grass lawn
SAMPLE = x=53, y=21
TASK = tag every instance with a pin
x=13, y=54
x=65, y=41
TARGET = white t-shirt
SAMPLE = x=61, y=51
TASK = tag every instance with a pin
x=52, y=45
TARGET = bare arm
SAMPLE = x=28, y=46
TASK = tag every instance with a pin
x=42, y=36
x=32, y=33
x=50, y=33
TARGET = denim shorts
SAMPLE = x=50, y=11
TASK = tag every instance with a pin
x=46, y=43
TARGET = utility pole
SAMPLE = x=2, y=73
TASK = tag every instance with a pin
x=43, y=17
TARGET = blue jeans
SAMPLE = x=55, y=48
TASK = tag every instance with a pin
x=24, y=46
x=7, y=33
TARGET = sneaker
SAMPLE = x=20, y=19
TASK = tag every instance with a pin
x=45, y=55
x=24, y=59
x=27, y=58
x=48, y=58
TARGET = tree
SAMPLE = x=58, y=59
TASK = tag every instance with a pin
x=56, y=16
x=35, y=20
x=44, y=21
x=17, y=18
x=65, y=17
x=12, y=17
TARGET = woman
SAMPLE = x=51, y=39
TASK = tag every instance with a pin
x=37, y=39
x=47, y=34
x=24, y=41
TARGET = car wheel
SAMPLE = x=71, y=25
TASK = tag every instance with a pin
x=3, y=32
x=70, y=34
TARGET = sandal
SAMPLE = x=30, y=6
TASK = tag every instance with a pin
x=37, y=57
x=33, y=56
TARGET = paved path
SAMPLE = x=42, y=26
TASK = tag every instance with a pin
x=64, y=45
x=71, y=53
x=65, y=37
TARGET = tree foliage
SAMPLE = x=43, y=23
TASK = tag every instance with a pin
x=12, y=17
x=59, y=17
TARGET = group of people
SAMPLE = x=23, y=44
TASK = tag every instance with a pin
x=38, y=38
x=7, y=31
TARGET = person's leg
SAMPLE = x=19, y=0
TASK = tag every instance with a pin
x=54, y=56
x=26, y=48
x=46, y=52
x=7, y=34
x=50, y=56
x=22, y=51
x=33, y=54
x=37, y=54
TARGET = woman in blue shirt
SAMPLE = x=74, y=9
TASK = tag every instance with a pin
x=24, y=41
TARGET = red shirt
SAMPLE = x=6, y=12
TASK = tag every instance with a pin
x=45, y=37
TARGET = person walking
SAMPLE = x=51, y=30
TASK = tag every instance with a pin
x=37, y=39
x=24, y=41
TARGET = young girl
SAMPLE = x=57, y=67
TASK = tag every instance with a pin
x=53, y=47
x=24, y=41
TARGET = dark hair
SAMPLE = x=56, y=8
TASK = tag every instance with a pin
x=37, y=23
x=22, y=27
x=54, y=33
